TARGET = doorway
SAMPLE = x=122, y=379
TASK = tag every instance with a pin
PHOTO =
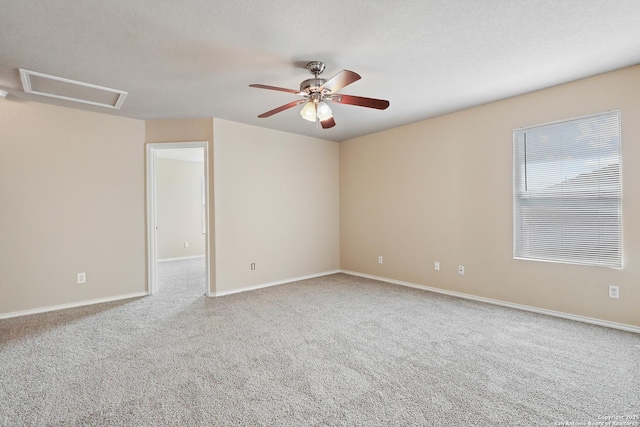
x=178, y=216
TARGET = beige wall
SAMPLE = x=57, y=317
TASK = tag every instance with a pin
x=71, y=200
x=441, y=190
x=277, y=198
x=179, y=130
x=179, y=202
x=188, y=130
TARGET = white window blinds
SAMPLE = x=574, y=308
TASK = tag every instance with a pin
x=568, y=191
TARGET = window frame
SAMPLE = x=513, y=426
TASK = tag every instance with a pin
x=516, y=194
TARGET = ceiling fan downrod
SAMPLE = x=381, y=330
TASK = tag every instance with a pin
x=313, y=85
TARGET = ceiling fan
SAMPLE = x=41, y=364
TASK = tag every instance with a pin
x=316, y=92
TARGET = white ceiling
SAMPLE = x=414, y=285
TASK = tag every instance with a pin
x=196, y=58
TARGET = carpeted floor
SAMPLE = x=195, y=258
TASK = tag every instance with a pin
x=336, y=350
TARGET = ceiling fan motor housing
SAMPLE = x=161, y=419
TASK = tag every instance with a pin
x=312, y=85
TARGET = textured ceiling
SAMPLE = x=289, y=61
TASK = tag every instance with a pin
x=196, y=58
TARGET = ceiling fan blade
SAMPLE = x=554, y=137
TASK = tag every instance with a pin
x=281, y=89
x=329, y=123
x=282, y=108
x=379, y=104
x=340, y=80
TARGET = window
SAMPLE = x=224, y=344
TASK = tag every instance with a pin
x=568, y=191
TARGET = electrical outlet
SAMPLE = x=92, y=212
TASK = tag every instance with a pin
x=82, y=278
x=614, y=292
x=436, y=266
x=379, y=260
x=253, y=265
x=186, y=244
x=461, y=270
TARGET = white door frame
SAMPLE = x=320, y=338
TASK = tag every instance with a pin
x=152, y=244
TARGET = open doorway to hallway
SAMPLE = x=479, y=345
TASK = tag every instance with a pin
x=177, y=207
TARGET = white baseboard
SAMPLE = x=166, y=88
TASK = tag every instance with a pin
x=279, y=282
x=71, y=305
x=181, y=257
x=606, y=323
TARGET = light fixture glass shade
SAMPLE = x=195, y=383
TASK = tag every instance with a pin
x=324, y=112
x=308, y=112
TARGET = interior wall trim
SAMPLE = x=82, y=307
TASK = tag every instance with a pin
x=276, y=283
x=575, y=317
x=71, y=305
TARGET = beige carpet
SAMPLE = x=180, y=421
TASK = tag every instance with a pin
x=337, y=350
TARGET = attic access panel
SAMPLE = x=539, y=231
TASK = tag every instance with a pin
x=71, y=90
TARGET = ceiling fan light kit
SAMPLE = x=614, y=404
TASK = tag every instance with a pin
x=308, y=112
x=324, y=112
x=317, y=91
